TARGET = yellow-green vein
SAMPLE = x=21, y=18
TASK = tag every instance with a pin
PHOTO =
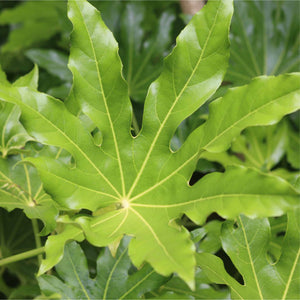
x=171, y=109
x=121, y=223
x=137, y=284
x=246, y=116
x=27, y=180
x=251, y=260
x=165, y=179
x=200, y=199
x=76, y=146
x=78, y=278
x=5, y=124
x=112, y=272
x=105, y=103
x=17, y=187
x=291, y=276
x=155, y=236
x=81, y=186
x=225, y=281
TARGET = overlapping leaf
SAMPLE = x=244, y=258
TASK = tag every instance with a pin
x=20, y=186
x=133, y=177
x=177, y=289
x=143, y=58
x=13, y=136
x=247, y=246
x=16, y=236
x=264, y=39
x=37, y=22
x=113, y=280
x=293, y=147
x=260, y=147
x=55, y=63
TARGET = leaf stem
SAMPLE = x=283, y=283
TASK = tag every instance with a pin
x=21, y=256
x=37, y=238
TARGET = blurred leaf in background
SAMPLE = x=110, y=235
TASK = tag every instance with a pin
x=17, y=280
x=264, y=39
x=32, y=24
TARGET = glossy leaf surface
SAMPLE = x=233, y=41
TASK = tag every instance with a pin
x=132, y=177
x=264, y=39
x=21, y=187
x=142, y=50
x=260, y=147
x=13, y=136
x=247, y=246
x=113, y=280
x=54, y=61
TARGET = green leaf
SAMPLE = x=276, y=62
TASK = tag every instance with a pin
x=13, y=136
x=141, y=50
x=37, y=21
x=293, y=147
x=177, y=289
x=247, y=106
x=21, y=187
x=207, y=237
x=53, y=61
x=247, y=246
x=16, y=237
x=113, y=280
x=97, y=71
x=131, y=178
x=261, y=147
x=278, y=229
x=291, y=177
x=264, y=39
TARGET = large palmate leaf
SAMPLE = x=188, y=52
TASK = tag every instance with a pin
x=113, y=280
x=247, y=246
x=132, y=177
x=264, y=39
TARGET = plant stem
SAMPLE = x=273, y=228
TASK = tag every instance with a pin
x=21, y=256
x=37, y=238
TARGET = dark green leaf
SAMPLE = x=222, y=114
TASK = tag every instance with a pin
x=264, y=39
x=247, y=246
x=113, y=280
